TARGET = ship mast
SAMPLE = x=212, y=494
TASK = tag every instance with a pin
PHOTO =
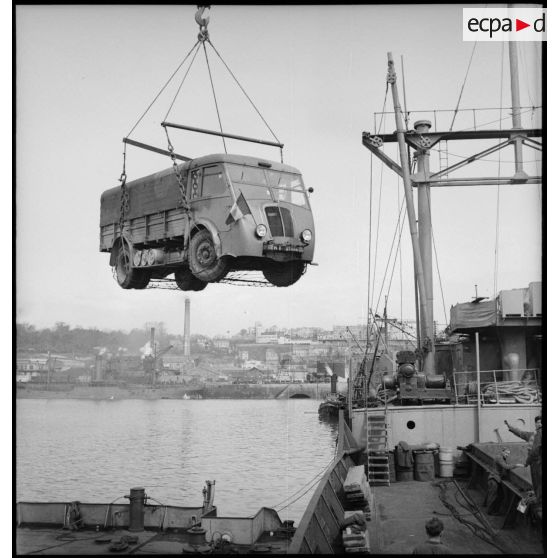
x=425, y=313
x=422, y=140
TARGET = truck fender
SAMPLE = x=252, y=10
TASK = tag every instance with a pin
x=116, y=245
x=207, y=224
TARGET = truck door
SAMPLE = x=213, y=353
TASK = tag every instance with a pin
x=210, y=195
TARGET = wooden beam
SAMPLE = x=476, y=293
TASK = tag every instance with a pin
x=155, y=149
x=221, y=134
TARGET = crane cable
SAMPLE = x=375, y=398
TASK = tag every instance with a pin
x=463, y=86
x=497, y=231
x=242, y=89
x=214, y=96
x=370, y=293
x=163, y=88
x=203, y=37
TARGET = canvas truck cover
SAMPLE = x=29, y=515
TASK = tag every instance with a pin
x=150, y=194
x=473, y=315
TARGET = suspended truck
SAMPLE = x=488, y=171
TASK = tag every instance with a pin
x=207, y=217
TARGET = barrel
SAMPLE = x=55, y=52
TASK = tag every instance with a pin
x=403, y=475
x=446, y=462
x=424, y=465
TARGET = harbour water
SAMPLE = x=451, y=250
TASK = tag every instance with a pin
x=259, y=452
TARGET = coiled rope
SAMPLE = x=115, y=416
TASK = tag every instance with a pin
x=521, y=392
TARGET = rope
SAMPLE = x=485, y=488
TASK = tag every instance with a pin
x=397, y=226
x=478, y=529
x=522, y=60
x=437, y=265
x=463, y=86
x=182, y=82
x=439, y=275
x=246, y=94
x=312, y=480
x=522, y=393
x=497, y=231
x=162, y=89
x=400, y=227
x=214, y=96
x=369, y=245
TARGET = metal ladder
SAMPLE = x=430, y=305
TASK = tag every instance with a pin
x=377, y=450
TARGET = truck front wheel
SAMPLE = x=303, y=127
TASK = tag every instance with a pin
x=283, y=274
x=126, y=276
x=203, y=259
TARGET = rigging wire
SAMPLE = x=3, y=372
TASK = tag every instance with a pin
x=463, y=86
x=214, y=96
x=497, y=226
x=369, y=245
x=162, y=89
x=397, y=229
x=437, y=264
x=317, y=476
x=524, y=66
x=242, y=89
x=499, y=120
x=370, y=293
x=182, y=82
x=400, y=258
x=400, y=228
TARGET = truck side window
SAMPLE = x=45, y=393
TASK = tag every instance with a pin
x=213, y=181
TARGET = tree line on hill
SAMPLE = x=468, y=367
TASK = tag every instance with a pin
x=87, y=341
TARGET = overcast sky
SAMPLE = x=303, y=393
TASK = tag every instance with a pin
x=317, y=73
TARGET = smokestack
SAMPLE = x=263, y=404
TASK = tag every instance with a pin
x=98, y=368
x=153, y=341
x=187, y=327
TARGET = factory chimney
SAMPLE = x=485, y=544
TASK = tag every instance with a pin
x=187, y=328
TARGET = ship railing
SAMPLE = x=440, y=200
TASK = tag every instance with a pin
x=464, y=118
x=496, y=387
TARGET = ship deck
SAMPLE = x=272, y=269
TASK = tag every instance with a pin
x=56, y=541
x=401, y=510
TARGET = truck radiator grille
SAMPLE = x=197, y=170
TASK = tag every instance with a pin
x=280, y=221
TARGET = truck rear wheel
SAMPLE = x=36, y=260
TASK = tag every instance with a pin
x=126, y=276
x=203, y=259
x=284, y=274
x=186, y=281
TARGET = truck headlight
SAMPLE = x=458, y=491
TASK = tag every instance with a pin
x=306, y=235
x=261, y=231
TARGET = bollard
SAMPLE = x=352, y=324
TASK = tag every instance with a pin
x=137, y=501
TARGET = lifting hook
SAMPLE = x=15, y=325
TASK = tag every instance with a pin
x=202, y=22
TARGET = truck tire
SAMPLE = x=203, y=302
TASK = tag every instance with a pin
x=186, y=281
x=126, y=276
x=283, y=274
x=204, y=262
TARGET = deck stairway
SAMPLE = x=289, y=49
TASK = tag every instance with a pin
x=377, y=450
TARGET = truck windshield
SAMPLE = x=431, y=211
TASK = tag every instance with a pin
x=255, y=183
x=250, y=181
x=287, y=187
